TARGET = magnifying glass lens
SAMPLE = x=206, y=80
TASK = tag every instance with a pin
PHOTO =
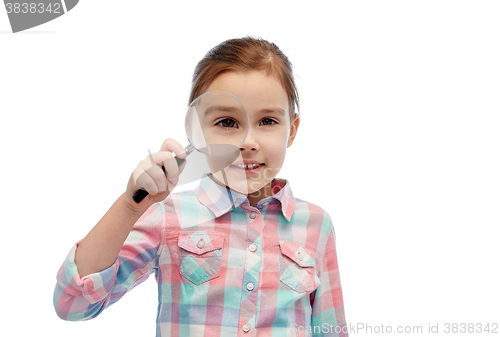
x=217, y=124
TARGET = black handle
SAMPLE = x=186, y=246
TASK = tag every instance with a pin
x=142, y=193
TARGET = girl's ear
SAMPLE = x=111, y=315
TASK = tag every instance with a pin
x=293, y=130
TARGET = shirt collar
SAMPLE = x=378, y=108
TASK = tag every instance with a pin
x=220, y=199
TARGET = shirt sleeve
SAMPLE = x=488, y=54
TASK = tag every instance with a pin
x=327, y=302
x=77, y=299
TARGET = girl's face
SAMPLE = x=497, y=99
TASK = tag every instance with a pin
x=271, y=131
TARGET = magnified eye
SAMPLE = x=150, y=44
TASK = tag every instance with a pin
x=227, y=123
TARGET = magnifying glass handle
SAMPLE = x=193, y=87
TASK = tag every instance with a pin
x=142, y=193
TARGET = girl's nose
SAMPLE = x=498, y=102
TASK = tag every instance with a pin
x=250, y=143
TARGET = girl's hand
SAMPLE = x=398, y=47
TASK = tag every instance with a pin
x=150, y=176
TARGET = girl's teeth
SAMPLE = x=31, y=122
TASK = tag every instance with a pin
x=249, y=166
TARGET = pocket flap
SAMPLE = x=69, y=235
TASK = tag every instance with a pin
x=300, y=255
x=200, y=242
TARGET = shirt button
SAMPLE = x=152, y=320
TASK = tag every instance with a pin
x=201, y=244
x=252, y=247
x=299, y=256
x=265, y=204
x=253, y=215
x=246, y=328
x=250, y=286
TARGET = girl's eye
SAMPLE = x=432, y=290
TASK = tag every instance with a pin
x=268, y=121
x=227, y=123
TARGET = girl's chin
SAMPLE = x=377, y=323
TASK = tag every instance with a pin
x=237, y=184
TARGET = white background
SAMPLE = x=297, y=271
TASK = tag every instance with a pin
x=399, y=142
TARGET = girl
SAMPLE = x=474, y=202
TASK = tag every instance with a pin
x=252, y=262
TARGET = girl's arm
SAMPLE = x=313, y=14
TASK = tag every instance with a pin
x=117, y=255
x=100, y=248
x=327, y=301
x=80, y=298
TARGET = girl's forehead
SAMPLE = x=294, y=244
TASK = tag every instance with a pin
x=255, y=89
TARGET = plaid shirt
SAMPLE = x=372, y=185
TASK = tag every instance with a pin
x=223, y=267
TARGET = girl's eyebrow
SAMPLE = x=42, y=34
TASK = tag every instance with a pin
x=272, y=110
x=222, y=108
x=213, y=108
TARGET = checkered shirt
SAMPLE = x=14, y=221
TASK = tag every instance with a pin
x=223, y=267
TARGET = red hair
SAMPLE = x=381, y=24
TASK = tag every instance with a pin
x=246, y=54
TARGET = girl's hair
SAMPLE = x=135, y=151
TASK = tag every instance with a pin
x=245, y=54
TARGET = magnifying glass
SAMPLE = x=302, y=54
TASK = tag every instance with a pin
x=216, y=126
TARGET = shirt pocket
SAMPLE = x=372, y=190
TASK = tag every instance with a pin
x=297, y=267
x=200, y=255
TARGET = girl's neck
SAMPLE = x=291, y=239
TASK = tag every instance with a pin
x=264, y=192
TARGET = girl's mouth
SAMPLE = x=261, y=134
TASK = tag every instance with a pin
x=249, y=168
